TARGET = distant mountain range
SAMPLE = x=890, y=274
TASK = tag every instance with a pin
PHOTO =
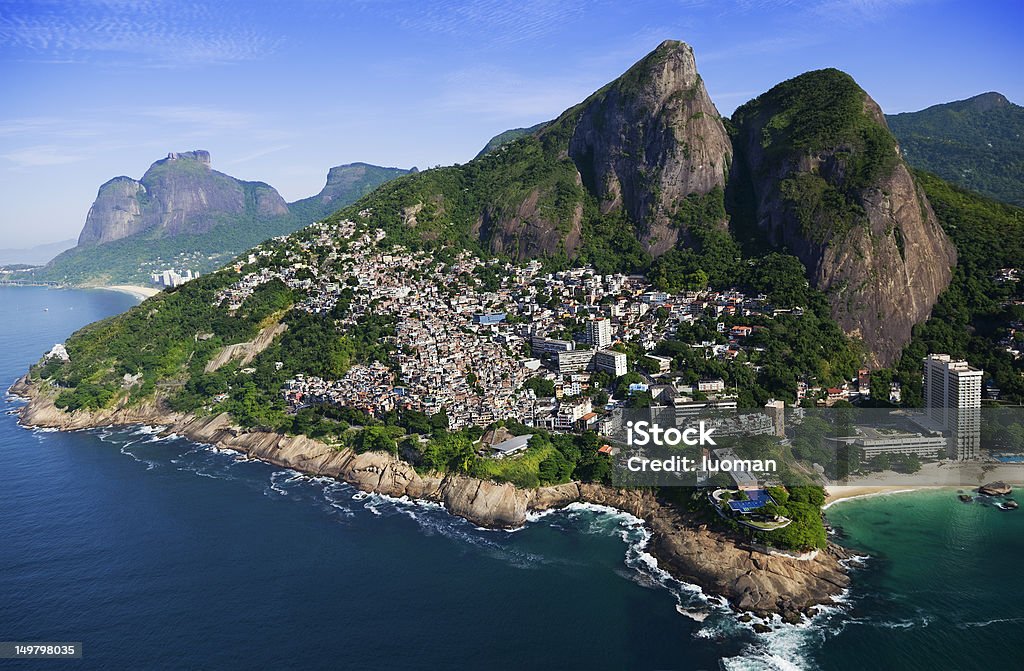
x=34, y=256
x=976, y=143
x=183, y=214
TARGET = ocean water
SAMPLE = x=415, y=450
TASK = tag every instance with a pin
x=160, y=553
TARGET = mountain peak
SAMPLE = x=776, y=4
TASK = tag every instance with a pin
x=829, y=185
x=198, y=155
x=649, y=140
x=349, y=181
x=667, y=46
x=987, y=101
x=973, y=143
x=178, y=194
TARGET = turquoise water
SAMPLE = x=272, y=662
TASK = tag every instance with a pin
x=167, y=554
x=943, y=587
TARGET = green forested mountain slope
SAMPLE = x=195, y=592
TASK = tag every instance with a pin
x=503, y=138
x=976, y=143
x=826, y=184
x=974, y=317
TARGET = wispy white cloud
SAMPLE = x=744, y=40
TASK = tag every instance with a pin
x=149, y=32
x=502, y=22
x=502, y=94
x=259, y=153
x=41, y=156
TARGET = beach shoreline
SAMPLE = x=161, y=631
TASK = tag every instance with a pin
x=950, y=475
x=841, y=493
x=140, y=293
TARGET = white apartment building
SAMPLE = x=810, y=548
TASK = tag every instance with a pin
x=952, y=400
x=873, y=443
x=599, y=332
x=171, y=278
x=575, y=361
x=611, y=362
x=711, y=386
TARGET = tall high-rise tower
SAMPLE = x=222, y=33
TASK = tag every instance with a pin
x=599, y=332
x=952, y=399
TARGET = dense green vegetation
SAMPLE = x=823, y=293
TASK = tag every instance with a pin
x=973, y=143
x=974, y=313
x=823, y=112
x=549, y=460
x=503, y=138
x=791, y=348
x=155, y=342
x=802, y=505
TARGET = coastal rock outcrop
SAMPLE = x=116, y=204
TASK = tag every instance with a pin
x=749, y=579
x=998, y=488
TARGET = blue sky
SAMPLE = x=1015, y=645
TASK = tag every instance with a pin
x=282, y=91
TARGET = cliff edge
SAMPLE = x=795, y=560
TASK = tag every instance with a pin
x=750, y=580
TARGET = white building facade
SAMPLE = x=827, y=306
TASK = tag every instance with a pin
x=952, y=399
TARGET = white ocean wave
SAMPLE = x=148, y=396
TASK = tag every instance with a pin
x=986, y=623
x=150, y=464
x=538, y=515
x=641, y=567
x=280, y=479
x=147, y=429
x=789, y=647
x=855, y=561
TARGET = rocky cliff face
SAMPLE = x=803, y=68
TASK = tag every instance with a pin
x=178, y=194
x=650, y=139
x=642, y=147
x=830, y=187
x=116, y=213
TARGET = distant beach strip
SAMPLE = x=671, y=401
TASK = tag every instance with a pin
x=141, y=293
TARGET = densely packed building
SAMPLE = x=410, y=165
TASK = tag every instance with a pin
x=470, y=332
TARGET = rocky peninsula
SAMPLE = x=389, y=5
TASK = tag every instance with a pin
x=749, y=579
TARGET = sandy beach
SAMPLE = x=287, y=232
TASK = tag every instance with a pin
x=941, y=475
x=141, y=293
x=840, y=493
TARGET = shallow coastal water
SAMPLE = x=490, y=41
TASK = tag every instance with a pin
x=160, y=553
x=943, y=587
